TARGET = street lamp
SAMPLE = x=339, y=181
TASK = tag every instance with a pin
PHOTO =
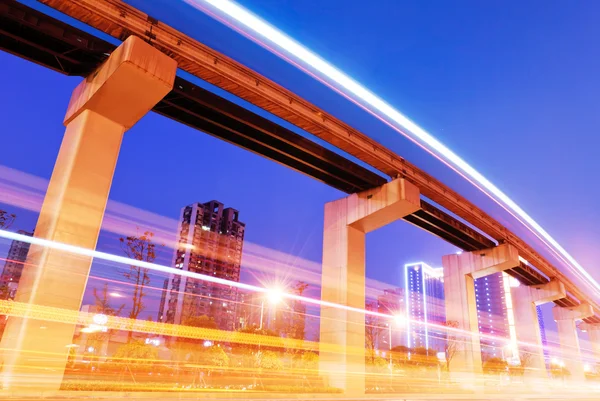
x=99, y=324
x=274, y=297
x=399, y=321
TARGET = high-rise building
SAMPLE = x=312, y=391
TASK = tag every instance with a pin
x=163, y=300
x=13, y=267
x=540, y=316
x=494, y=313
x=424, y=305
x=210, y=242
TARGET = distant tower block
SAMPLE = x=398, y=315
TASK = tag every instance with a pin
x=13, y=267
x=424, y=303
x=211, y=238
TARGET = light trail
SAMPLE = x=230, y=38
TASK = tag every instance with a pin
x=392, y=117
x=74, y=315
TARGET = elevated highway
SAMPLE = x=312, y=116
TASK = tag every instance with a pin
x=121, y=20
x=113, y=96
x=53, y=44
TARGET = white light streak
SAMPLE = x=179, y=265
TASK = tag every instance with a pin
x=392, y=117
x=160, y=268
x=170, y=270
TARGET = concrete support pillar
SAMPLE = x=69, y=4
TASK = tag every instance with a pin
x=593, y=330
x=460, y=272
x=566, y=319
x=105, y=105
x=342, y=342
x=527, y=325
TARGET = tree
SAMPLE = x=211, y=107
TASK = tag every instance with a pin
x=4, y=291
x=372, y=332
x=424, y=357
x=203, y=321
x=495, y=366
x=103, y=307
x=215, y=356
x=102, y=302
x=400, y=354
x=308, y=360
x=6, y=219
x=136, y=354
x=240, y=341
x=519, y=370
x=190, y=348
x=298, y=321
x=452, y=342
x=140, y=248
x=71, y=358
x=269, y=360
x=558, y=371
x=378, y=364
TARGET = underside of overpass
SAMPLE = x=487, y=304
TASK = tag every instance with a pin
x=51, y=43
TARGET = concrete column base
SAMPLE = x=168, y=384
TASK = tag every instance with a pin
x=593, y=330
x=527, y=325
x=566, y=319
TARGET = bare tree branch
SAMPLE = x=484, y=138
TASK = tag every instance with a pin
x=6, y=219
x=138, y=247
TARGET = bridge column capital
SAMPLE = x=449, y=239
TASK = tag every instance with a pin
x=483, y=262
x=540, y=293
x=125, y=87
x=589, y=327
x=578, y=312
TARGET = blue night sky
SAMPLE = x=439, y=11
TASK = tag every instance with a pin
x=512, y=87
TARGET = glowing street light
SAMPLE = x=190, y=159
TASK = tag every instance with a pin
x=100, y=319
x=274, y=296
x=99, y=324
x=400, y=321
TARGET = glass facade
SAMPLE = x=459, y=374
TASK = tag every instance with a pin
x=210, y=243
x=424, y=303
